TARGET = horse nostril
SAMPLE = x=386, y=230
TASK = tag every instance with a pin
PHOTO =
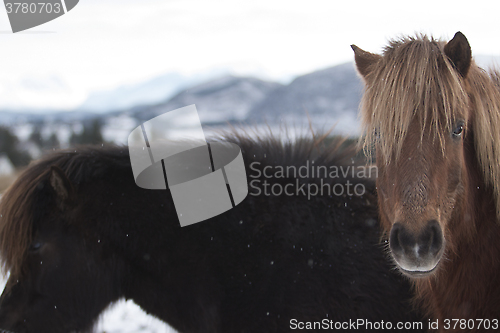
x=394, y=239
x=436, y=237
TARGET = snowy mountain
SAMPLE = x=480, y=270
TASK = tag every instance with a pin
x=155, y=90
x=228, y=98
x=152, y=91
x=326, y=97
x=329, y=96
x=329, y=92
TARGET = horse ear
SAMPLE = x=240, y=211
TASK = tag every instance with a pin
x=364, y=60
x=458, y=50
x=62, y=186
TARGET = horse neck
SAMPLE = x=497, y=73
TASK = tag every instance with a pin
x=466, y=286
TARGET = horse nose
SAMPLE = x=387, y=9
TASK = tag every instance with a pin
x=416, y=250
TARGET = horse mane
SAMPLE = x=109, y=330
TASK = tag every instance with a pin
x=282, y=150
x=28, y=198
x=415, y=78
x=484, y=94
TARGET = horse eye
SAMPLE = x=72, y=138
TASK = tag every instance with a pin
x=35, y=246
x=458, y=130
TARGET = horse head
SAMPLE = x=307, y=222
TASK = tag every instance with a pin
x=416, y=114
x=61, y=275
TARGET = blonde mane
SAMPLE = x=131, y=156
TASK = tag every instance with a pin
x=484, y=91
x=414, y=78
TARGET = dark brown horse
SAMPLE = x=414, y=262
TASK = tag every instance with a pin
x=433, y=117
x=77, y=234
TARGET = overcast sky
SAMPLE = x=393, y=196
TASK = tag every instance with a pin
x=102, y=44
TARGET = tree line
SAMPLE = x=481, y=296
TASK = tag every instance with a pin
x=18, y=151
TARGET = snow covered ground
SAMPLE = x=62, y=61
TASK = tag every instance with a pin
x=126, y=317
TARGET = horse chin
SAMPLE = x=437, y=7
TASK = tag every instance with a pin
x=417, y=274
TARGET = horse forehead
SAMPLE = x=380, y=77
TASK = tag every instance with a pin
x=415, y=189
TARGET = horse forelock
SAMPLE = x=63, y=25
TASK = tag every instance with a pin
x=414, y=80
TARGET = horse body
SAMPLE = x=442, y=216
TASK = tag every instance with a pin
x=77, y=234
x=432, y=115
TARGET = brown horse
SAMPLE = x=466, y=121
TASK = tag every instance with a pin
x=433, y=117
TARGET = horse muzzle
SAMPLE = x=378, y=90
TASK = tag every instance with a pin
x=417, y=253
